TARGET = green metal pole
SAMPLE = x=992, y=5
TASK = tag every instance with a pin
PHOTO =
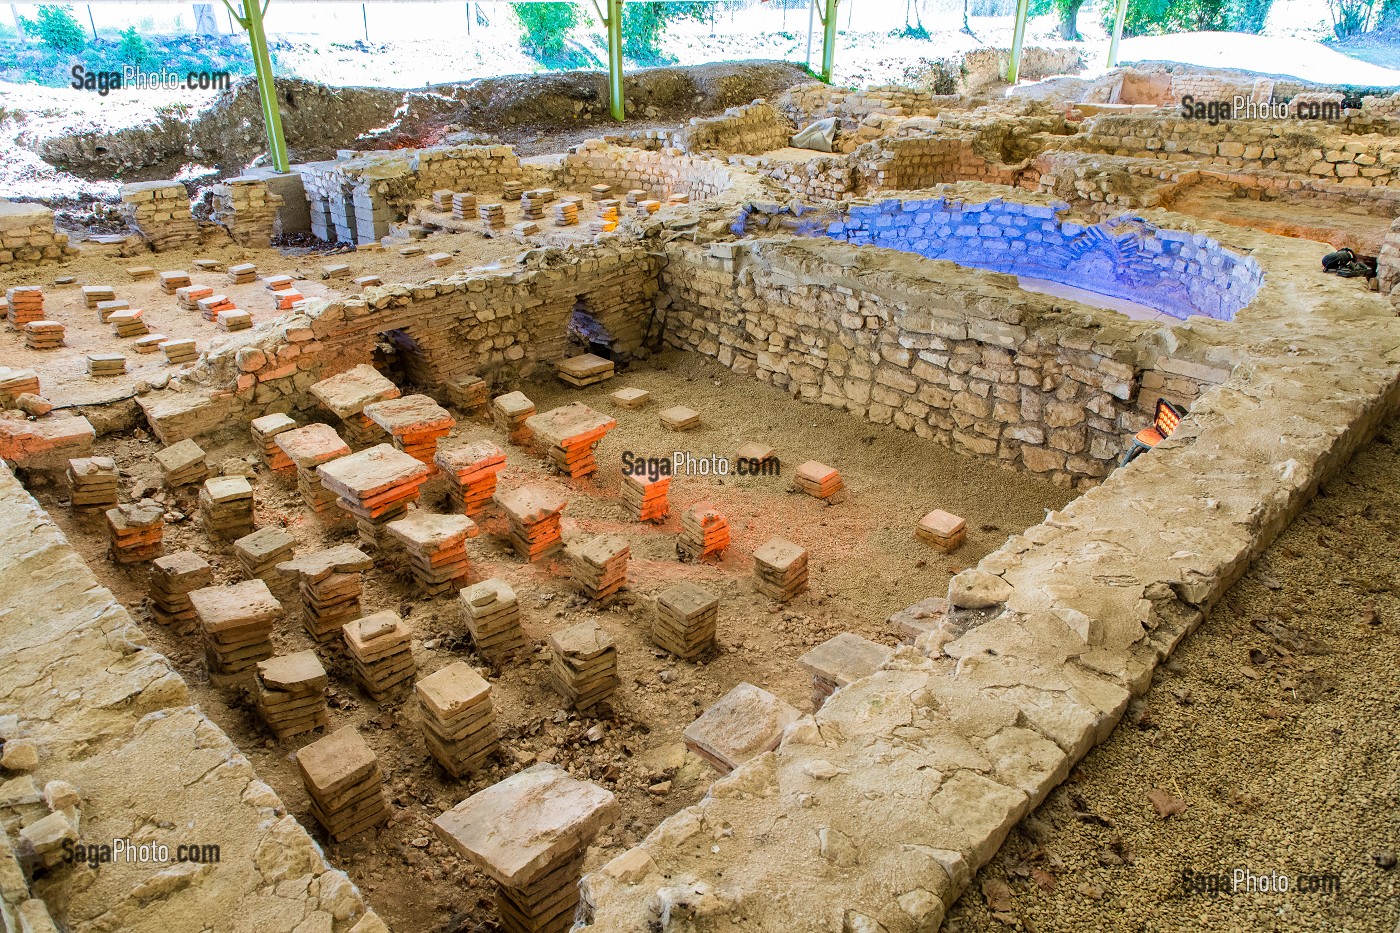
x=1119, y=15
x=829, y=40
x=614, y=24
x=1013, y=69
x=267, y=88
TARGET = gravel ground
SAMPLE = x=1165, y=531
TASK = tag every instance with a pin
x=1272, y=731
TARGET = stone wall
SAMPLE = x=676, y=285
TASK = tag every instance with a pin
x=1324, y=150
x=875, y=813
x=754, y=128
x=498, y=324
x=660, y=173
x=953, y=354
x=160, y=212
x=110, y=717
x=28, y=237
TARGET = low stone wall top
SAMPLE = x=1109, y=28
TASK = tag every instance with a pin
x=111, y=718
x=753, y=128
x=27, y=235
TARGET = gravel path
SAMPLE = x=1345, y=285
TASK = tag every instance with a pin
x=1274, y=726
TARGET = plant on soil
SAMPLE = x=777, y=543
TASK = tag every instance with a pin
x=57, y=28
x=1353, y=17
x=544, y=33
x=1159, y=17
x=133, y=49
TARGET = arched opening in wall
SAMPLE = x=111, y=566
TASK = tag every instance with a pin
x=401, y=358
x=586, y=334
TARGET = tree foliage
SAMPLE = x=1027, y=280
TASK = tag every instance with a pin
x=1158, y=17
x=644, y=24
x=544, y=29
x=133, y=48
x=57, y=28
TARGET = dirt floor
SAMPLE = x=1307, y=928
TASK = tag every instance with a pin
x=63, y=374
x=1272, y=731
x=1357, y=229
x=865, y=564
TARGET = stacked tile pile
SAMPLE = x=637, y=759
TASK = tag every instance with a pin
x=491, y=614
x=680, y=418
x=211, y=306
x=607, y=219
x=599, y=566
x=160, y=210
x=342, y=778
x=179, y=351
x=471, y=474
x=182, y=464
x=140, y=272
x=276, y=283
x=173, y=280
x=442, y=199
x=94, y=294
x=242, y=273
x=565, y=213
x=509, y=413
x=17, y=382
x=584, y=370
x=265, y=431
x=226, y=507
x=105, y=309
x=415, y=422
x=470, y=394
x=289, y=693
x=365, y=281
x=375, y=486
x=381, y=653
x=463, y=205
x=839, y=661
x=330, y=585
x=106, y=364
x=285, y=298
x=534, y=520
x=600, y=192
x=346, y=395
x=584, y=665
x=259, y=554
x=237, y=623
x=188, y=297
x=459, y=724
x=686, y=617
x=436, y=547
x=646, y=497
x=234, y=320
x=128, y=324
x=24, y=304
x=818, y=480
x=526, y=228
x=135, y=532
x=308, y=448
x=512, y=190
x=150, y=343
x=943, y=530
x=634, y=197
x=647, y=208
x=704, y=532
x=93, y=483
x=743, y=724
x=173, y=578
x=530, y=833
x=534, y=201
x=780, y=569
x=492, y=215
x=570, y=433
x=44, y=335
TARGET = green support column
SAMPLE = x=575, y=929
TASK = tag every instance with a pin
x=1119, y=15
x=251, y=19
x=613, y=20
x=829, y=40
x=1018, y=38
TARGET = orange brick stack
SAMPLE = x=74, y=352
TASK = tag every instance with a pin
x=415, y=422
x=471, y=474
x=376, y=486
x=571, y=433
x=534, y=521
x=704, y=532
